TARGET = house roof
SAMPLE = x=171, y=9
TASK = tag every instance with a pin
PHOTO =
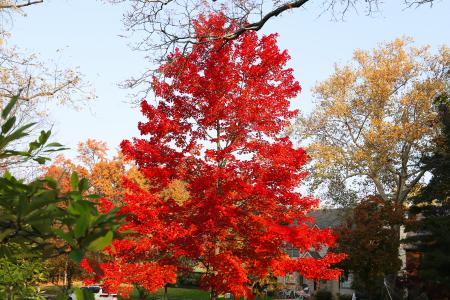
x=329, y=217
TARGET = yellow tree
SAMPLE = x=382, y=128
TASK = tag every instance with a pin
x=105, y=174
x=374, y=120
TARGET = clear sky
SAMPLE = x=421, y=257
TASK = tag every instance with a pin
x=89, y=30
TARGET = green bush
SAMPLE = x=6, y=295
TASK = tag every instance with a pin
x=324, y=295
x=20, y=279
x=189, y=280
x=345, y=297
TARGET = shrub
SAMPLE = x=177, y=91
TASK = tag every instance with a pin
x=324, y=295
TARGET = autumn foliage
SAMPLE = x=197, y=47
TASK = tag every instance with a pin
x=370, y=238
x=105, y=174
x=216, y=132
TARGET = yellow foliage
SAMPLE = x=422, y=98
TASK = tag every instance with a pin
x=105, y=174
x=374, y=117
x=177, y=191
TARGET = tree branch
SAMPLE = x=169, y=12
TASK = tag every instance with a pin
x=20, y=5
x=258, y=25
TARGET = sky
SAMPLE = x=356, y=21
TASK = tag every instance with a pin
x=89, y=32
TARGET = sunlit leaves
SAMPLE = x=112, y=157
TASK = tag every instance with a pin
x=222, y=174
x=374, y=119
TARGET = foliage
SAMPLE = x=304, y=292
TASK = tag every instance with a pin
x=37, y=217
x=374, y=121
x=218, y=127
x=104, y=174
x=19, y=279
x=431, y=210
x=369, y=239
x=188, y=280
x=323, y=295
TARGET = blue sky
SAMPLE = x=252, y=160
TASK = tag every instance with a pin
x=89, y=30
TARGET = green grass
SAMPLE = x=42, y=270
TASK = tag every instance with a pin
x=52, y=289
x=175, y=294
x=185, y=294
x=181, y=294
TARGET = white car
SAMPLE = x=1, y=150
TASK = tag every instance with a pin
x=99, y=293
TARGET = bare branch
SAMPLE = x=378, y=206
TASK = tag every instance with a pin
x=8, y=5
x=259, y=24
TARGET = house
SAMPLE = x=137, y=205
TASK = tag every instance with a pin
x=323, y=218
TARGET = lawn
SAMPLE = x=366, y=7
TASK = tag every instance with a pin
x=174, y=294
x=182, y=294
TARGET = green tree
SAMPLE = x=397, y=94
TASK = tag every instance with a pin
x=19, y=279
x=37, y=218
x=431, y=211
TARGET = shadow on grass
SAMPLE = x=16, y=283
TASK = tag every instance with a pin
x=179, y=294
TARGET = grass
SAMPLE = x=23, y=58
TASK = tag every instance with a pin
x=173, y=293
x=182, y=294
x=185, y=294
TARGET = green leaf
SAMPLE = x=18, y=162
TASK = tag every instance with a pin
x=79, y=207
x=5, y=233
x=65, y=236
x=56, y=149
x=83, y=185
x=52, y=183
x=100, y=243
x=34, y=145
x=43, y=137
x=74, y=181
x=76, y=255
x=8, y=124
x=41, y=159
x=9, y=106
x=7, y=175
x=54, y=145
x=47, y=198
x=81, y=225
x=15, y=135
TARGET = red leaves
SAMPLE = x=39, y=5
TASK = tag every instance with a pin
x=309, y=267
x=218, y=126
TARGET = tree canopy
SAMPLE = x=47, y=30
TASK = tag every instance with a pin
x=369, y=238
x=217, y=125
x=374, y=121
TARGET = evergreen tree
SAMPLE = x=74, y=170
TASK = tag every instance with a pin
x=431, y=209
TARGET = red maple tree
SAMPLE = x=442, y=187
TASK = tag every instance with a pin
x=218, y=125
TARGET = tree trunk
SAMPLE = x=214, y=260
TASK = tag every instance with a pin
x=11, y=293
x=213, y=295
x=165, y=296
x=69, y=272
x=65, y=272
